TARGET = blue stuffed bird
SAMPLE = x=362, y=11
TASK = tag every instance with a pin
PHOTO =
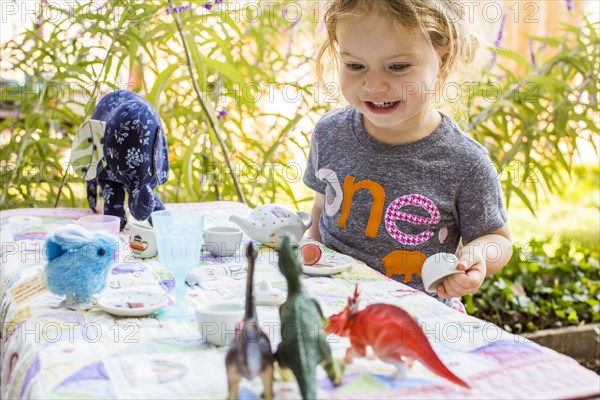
x=78, y=264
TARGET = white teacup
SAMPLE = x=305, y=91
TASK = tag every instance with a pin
x=436, y=267
x=222, y=241
x=142, y=240
x=217, y=321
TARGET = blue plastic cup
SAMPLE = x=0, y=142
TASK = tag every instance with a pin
x=179, y=237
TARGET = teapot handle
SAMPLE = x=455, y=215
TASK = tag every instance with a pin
x=305, y=216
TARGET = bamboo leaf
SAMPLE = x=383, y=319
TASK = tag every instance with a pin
x=159, y=85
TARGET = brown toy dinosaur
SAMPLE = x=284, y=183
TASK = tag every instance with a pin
x=250, y=353
x=392, y=333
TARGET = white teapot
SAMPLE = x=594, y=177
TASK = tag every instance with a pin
x=268, y=223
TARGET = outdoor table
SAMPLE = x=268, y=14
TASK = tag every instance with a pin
x=52, y=352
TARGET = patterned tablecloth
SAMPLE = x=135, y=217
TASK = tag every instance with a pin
x=52, y=352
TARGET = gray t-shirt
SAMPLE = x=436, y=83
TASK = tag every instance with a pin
x=391, y=206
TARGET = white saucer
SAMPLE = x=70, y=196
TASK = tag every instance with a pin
x=131, y=303
x=330, y=263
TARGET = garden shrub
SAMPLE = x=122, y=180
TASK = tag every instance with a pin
x=546, y=284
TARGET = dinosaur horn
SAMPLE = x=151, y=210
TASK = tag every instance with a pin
x=353, y=301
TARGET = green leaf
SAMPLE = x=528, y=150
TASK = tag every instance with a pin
x=159, y=85
x=511, y=55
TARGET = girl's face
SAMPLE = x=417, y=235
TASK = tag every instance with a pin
x=388, y=73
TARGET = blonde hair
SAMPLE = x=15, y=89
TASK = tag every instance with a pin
x=441, y=21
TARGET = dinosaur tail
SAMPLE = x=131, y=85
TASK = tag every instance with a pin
x=428, y=357
x=306, y=378
x=335, y=370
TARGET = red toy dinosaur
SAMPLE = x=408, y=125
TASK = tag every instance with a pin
x=392, y=333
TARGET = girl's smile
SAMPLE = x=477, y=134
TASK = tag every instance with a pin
x=388, y=73
x=382, y=107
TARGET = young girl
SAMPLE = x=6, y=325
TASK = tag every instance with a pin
x=397, y=181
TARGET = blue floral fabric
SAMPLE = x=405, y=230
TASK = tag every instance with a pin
x=135, y=151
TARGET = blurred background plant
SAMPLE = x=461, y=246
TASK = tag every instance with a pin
x=227, y=140
x=534, y=112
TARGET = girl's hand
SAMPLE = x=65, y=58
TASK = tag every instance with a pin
x=473, y=263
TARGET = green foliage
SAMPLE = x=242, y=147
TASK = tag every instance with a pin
x=242, y=60
x=569, y=211
x=545, y=285
x=533, y=113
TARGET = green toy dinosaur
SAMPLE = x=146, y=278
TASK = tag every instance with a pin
x=303, y=341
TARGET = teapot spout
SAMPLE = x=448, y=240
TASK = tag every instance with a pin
x=243, y=223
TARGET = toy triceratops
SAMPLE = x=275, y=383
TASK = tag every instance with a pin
x=122, y=148
x=78, y=263
x=391, y=332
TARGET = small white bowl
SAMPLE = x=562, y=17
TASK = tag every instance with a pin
x=223, y=241
x=436, y=267
x=217, y=321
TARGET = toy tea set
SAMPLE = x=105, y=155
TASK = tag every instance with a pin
x=79, y=260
